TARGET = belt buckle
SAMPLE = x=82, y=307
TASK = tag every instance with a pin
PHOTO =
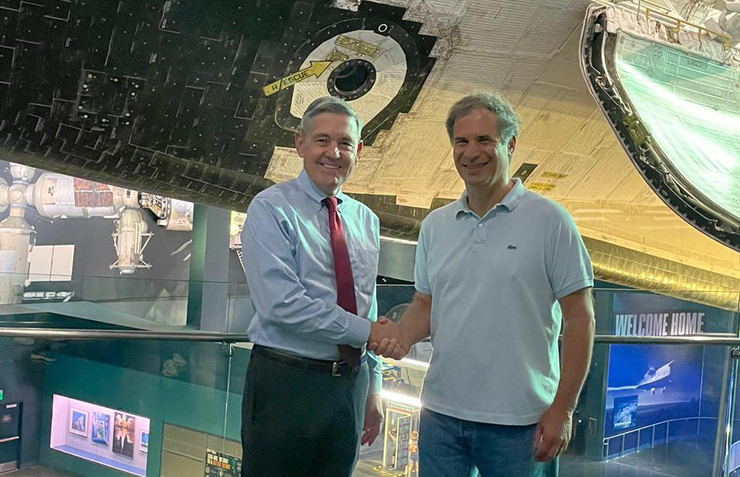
x=338, y=368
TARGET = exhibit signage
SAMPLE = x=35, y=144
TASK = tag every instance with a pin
x=649, y=385
x=220, y=464
x=647, y=314
x=676, y=323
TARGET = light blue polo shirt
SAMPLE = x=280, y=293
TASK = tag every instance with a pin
x=495, y=321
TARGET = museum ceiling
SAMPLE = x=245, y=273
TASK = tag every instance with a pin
x=198, y=100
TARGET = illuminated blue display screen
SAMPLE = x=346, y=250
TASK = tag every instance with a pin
x=648, y=384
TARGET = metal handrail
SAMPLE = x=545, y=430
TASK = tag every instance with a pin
x=606, y=440
x=94, y=335
x=726, y=40
x=726, y=339
x=622, y=436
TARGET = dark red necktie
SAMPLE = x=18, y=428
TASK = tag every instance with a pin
x=343, y=271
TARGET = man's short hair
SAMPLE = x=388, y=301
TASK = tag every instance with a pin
x=508, y=120
x=329, y=104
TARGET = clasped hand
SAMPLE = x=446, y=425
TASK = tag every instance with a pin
x=387, y=339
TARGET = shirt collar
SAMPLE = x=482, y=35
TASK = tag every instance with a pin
x=510, y=201
x=314, y=193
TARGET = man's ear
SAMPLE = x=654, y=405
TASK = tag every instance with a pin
x=511, y=146
x=360, y=145
x=299, y=144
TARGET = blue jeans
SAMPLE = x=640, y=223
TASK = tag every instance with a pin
x=451, y=447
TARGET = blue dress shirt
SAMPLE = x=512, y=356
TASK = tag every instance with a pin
x=290, y=271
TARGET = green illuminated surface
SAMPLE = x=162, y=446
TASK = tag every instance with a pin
x=691, y=107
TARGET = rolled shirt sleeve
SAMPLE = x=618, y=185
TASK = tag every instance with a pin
x=374, y=363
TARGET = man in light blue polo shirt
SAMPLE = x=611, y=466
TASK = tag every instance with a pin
x=498, y=273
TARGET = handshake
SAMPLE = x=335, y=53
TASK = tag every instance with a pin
x=388, y=339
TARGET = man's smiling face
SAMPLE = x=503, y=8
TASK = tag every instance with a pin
x=481, y=157
x=329, y=150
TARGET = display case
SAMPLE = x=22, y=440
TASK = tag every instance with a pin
x=109, y=437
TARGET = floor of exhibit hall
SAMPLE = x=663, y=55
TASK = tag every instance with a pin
x=677, y=459
x=38, y=471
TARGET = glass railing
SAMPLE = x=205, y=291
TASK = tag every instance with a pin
x=93, y=302
x=658, y=428
x=104, y=395
x=102, y=407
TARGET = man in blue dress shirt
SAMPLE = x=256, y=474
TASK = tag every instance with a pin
x=305, y=409
x=498, y=273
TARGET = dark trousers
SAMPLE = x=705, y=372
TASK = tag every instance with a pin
x=301, y=423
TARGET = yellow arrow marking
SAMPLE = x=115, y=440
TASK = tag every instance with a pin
x=317, y=68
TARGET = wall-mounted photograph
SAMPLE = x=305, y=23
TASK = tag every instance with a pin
x=78, y=421
x=123, y=435
x=144, y=440
x=101, y=428
x=625, y=412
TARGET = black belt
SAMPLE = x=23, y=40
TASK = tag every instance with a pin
x=335, y=368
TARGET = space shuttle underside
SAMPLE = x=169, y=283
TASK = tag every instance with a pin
x=190, y=99
x=671, y=92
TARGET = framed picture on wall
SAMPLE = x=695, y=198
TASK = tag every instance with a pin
x=78, y=419
x=625, y=412
x=144, y=441
x=101, y=428
x=123, y=435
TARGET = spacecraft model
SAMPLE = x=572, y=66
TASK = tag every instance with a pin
x=58, y=196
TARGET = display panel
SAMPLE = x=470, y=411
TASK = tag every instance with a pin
x=649, y=384
x=625, y=412
x=84, y=430
x=66, y=230
x=652, y=384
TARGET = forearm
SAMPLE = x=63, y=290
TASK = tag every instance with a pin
x=416, y=322
x=376, y=377
x=577, y=345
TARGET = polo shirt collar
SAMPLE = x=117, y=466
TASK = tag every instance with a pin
x=515, y=195
x=313, y=192
x=510, y=201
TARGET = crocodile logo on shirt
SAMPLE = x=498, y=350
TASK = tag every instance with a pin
x=511, y=247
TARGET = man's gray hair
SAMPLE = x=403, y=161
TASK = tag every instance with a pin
x=329, y=104
x=508, y=120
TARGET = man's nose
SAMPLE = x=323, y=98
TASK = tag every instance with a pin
x=471, y=151
x=334, y=150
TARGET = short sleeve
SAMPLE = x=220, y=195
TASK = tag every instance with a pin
x=421, y=275
x=569, y=265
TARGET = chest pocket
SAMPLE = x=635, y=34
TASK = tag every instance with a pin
x=364, y=260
